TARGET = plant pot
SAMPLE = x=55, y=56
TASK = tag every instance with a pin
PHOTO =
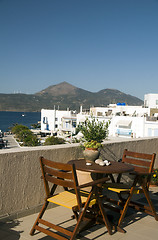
x=90, y=154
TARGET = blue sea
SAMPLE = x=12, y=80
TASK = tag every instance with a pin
x=7, y=119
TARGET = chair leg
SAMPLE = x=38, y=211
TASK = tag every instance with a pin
x=150, y=203
x=44, y=207
x=81, y=215
x=105, y=218
x=126, y=206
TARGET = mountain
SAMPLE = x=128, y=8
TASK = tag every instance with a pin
x=64, y=95
x=60, y=89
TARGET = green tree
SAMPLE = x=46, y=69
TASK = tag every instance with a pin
x=17, y=128
x=24, y=134
x=54, y=141
x=31, y=140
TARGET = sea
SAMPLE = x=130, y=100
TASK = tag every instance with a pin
x=8, y=119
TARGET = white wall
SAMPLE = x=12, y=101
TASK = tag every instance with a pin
x=54, y=119
x=136, y=126
x=49, y=115
x=151, y=100
x=151, y=129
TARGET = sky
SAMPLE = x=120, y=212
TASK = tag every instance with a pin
x=91, y=44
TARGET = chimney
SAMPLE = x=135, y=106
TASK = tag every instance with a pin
x=81, y=109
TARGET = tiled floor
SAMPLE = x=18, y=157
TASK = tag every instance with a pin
x=138, y=226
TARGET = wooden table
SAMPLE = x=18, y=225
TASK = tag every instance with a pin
x=113, y=168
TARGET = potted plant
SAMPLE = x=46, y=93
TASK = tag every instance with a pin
x=94, y=132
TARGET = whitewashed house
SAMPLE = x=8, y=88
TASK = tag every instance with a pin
x=151, y=100
x=58, y=121
x=125, y=121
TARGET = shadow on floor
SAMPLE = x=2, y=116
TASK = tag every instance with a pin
x=8, y=227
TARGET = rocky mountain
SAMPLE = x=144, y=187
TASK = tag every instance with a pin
x=63, y=96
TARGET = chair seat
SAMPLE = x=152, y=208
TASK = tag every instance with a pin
x=120, y=187
x=68, y=199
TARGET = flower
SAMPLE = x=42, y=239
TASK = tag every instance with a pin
x=154, y=177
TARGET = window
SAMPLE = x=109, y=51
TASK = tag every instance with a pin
x=56, y=119
x=156, y=102
x=56, y=125
x=155, y=132
x=67, y=124
x=146, y=103
x=74, y=124
x=99, y=114
x=45, y=120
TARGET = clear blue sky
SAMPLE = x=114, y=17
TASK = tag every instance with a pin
x=92, y=44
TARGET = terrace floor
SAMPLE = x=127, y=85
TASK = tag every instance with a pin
x=138, y=226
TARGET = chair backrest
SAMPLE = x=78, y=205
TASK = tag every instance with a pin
x=142, y=162
x=60, y=174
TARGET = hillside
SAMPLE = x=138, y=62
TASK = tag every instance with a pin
x=64, y=95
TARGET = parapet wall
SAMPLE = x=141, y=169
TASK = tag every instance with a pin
x=21, y=186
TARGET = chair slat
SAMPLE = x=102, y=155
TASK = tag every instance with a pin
x=49, y=233
x=57, y=173
x=137, y=162
x=141, y=169
x=139, y=155
x=55, y=227
x=60, y=182
x=57, y=165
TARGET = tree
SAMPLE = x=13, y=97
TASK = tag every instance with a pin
x=17, y=128
x=25, y=135
x=54, y=141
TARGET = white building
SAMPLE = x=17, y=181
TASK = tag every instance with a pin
x=120, y=110
x=127, y=126
x=57, y=121
x=129, y=121
x=125, y=121
x=151, y=100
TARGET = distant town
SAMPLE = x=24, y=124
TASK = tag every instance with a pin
x=125, y=121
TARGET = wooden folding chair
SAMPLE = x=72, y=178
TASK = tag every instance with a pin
x=143, y=166
x=72, y=197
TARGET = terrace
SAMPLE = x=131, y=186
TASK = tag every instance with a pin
x=22, y=191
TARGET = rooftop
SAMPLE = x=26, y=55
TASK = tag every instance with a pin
x=138, y=226
x=20, y=176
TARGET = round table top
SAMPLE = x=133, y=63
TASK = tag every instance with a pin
x=114, y=167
